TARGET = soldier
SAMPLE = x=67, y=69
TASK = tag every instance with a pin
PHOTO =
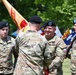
x=73, y=56
x=57, y=46
x=6, y=50
x=33, y=50
x=70, y=38
x=71, y=51
x=73, y=30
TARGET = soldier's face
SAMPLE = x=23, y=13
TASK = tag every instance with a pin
x=4, y=32
x=49, y=30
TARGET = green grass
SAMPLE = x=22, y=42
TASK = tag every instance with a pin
x=66, y=67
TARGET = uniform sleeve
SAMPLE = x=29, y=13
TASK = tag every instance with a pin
x=61, y=50
x=59, y=55
x=47, y=56
x=15, y=54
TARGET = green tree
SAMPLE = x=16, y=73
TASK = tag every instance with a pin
x=61, y=11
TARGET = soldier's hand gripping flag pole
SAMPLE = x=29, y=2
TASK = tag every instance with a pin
x=17, y=18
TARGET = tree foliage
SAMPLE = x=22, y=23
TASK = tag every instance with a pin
x=61, y=11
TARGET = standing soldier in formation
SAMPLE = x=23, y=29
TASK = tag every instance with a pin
x=33, y=51
x=57, y=45
x=7, y=44
x=73, y=56
x=71, y=50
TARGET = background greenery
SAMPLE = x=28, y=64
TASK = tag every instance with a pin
x=66, y=67
x=63, y=12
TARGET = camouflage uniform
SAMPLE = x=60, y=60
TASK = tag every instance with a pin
x=6, y=50
x=57, y=46
x=34, y=53
x=73, y=58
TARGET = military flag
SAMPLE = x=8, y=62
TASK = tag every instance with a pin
x=67, y=36
x=17, y=18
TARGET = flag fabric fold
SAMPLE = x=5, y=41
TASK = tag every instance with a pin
x=17, y=18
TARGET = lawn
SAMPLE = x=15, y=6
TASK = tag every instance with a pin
x=66, y=67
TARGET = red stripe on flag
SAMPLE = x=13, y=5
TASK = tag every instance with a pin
x=23, y=24
x=13, y=15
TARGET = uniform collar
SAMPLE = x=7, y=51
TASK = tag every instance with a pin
x=8, y=39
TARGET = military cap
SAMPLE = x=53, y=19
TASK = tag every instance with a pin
x=3, y=24
x=49, y=23
x=35, y=19
x=74, y=22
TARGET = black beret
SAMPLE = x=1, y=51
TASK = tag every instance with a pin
x=35, y=19
x=74, y=22
x=3, y=24
x=49, y=23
